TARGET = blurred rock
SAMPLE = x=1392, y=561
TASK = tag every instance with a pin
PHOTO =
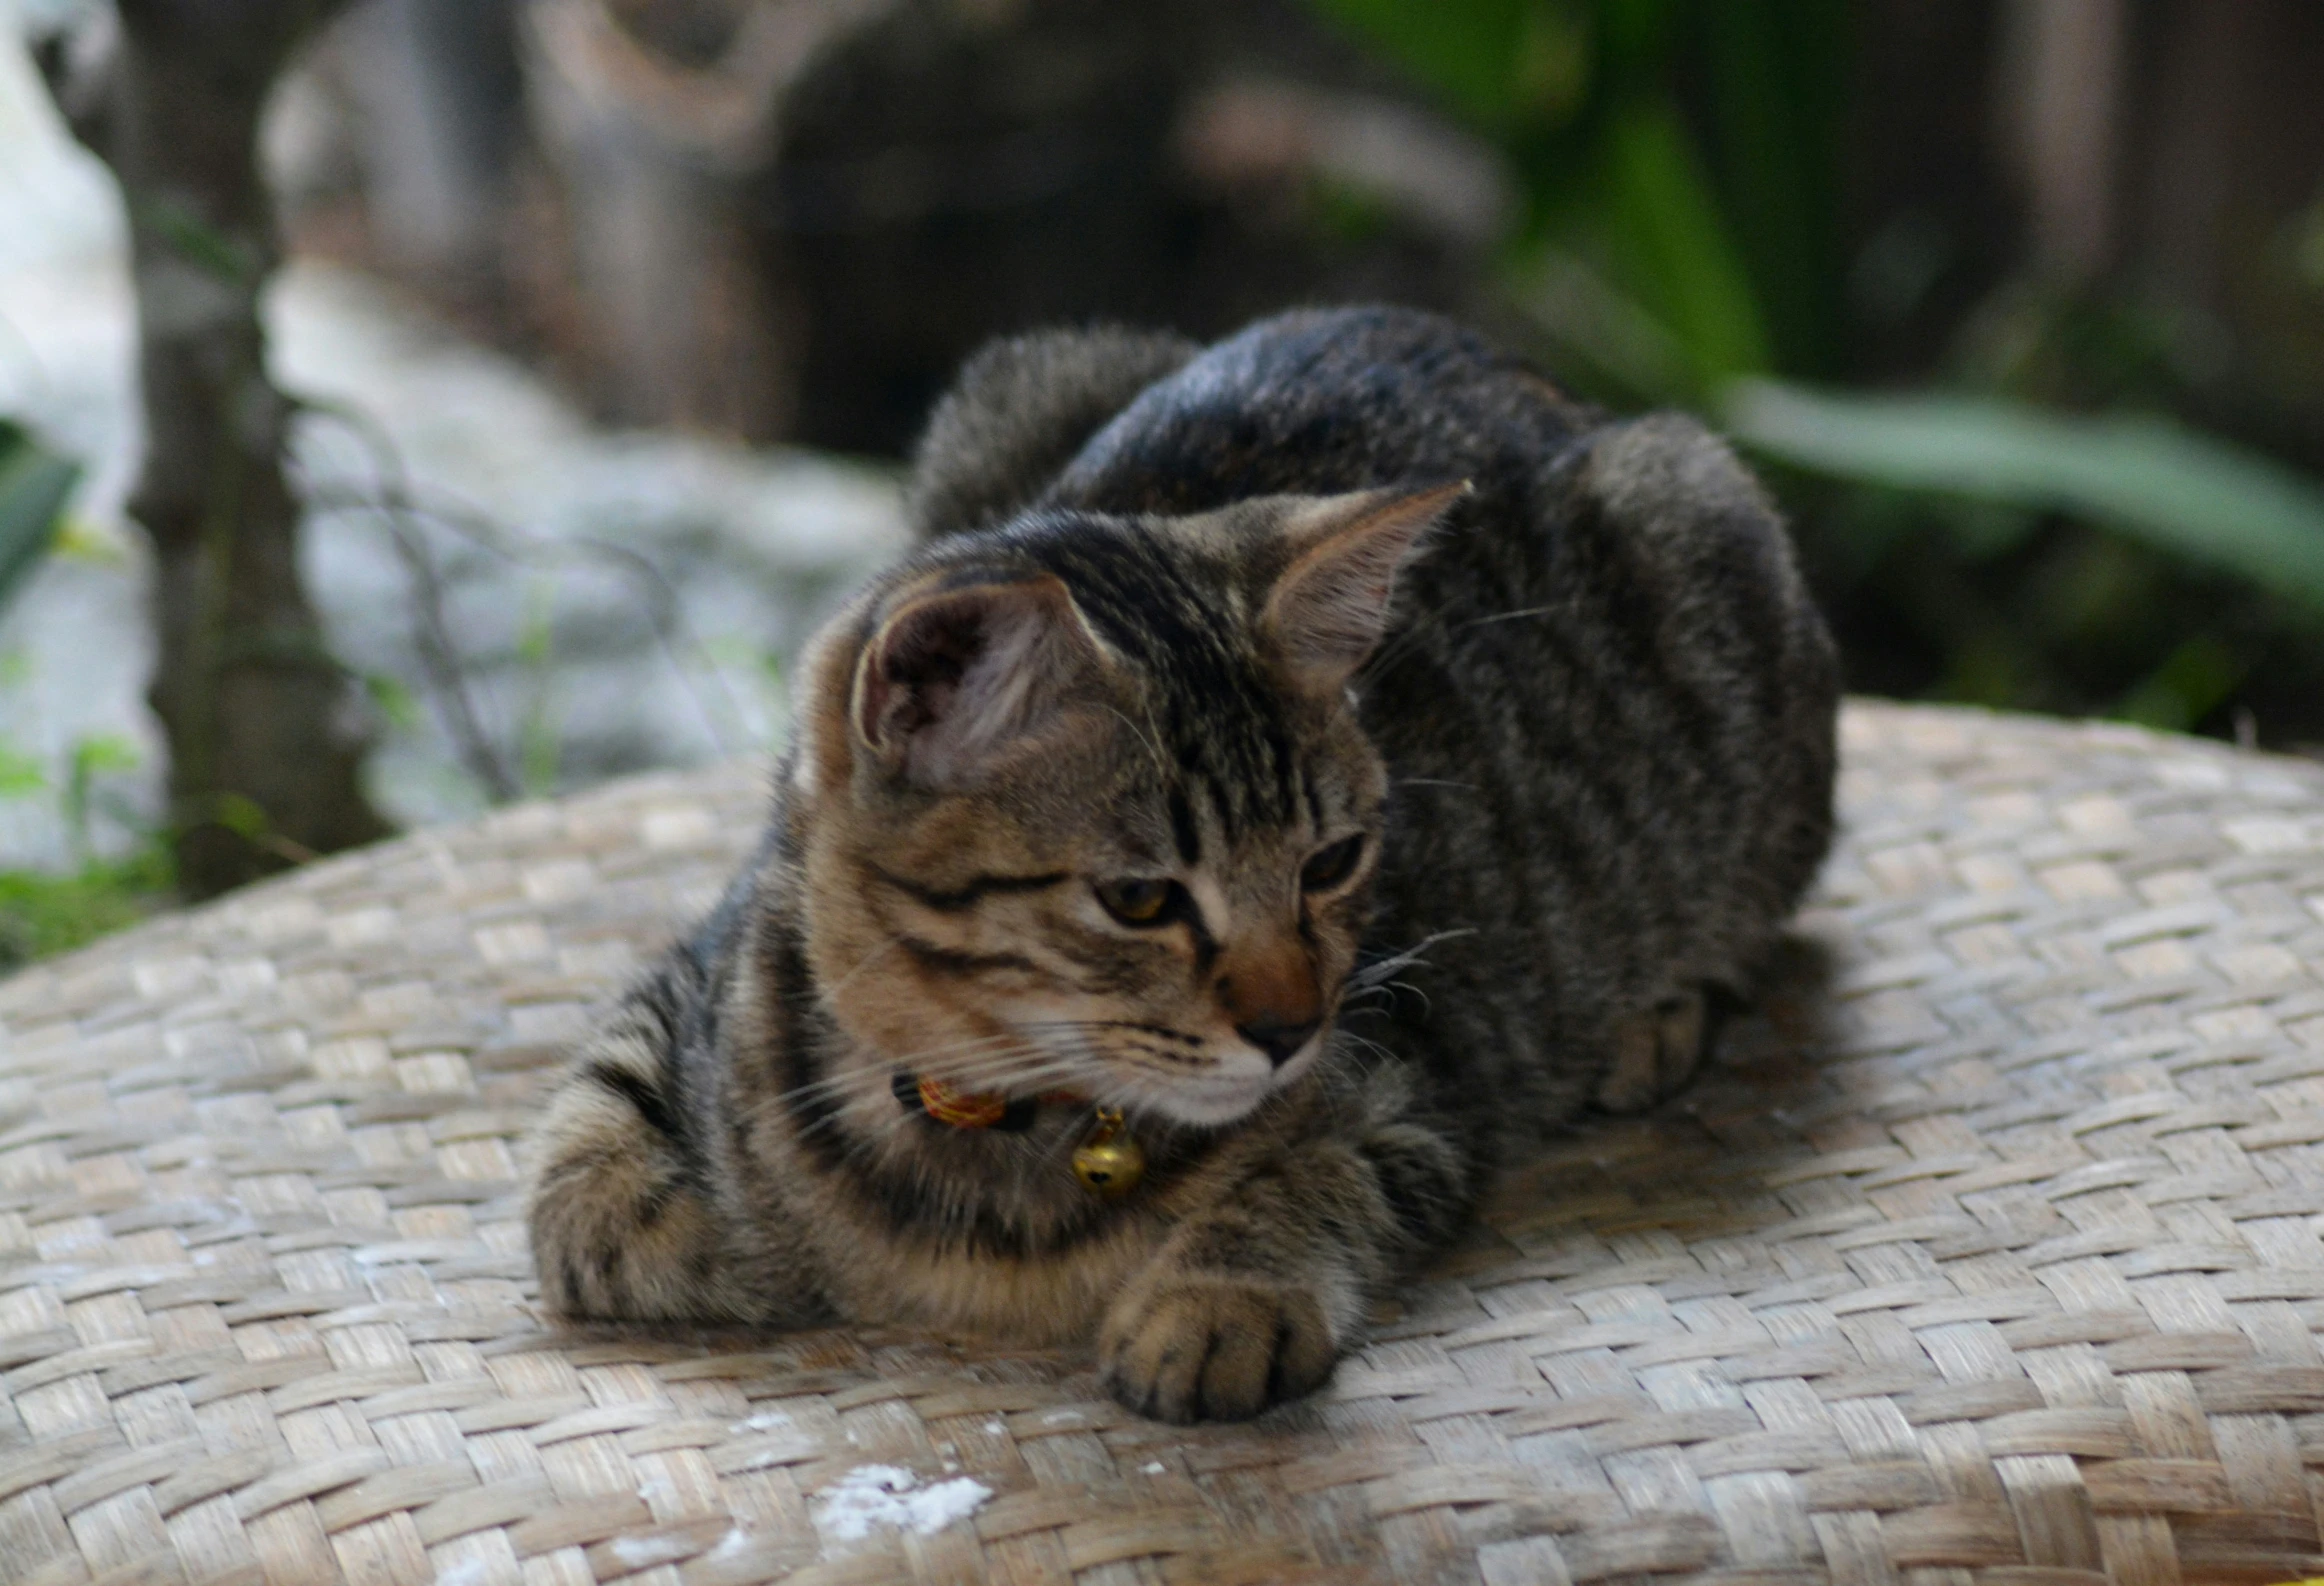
x=560, y=547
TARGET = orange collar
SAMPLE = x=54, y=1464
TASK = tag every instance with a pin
x=968, y=1109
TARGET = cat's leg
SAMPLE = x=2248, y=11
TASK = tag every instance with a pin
x=620, y=1227
x=1657, y=1049
x=1254, y=1297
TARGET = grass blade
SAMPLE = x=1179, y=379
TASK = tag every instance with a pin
x=2148, y=478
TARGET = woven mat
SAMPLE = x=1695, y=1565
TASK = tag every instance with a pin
x=1997, y=1261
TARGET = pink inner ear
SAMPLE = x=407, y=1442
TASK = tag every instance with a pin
x=950, y=680
x=913, y=670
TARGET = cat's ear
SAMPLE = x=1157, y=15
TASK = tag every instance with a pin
x=951, y=679
x=1329, y=606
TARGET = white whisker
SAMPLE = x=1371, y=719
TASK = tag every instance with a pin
x=1162, y=764
x=862, y=964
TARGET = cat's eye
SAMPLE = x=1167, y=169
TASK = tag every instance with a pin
x=1141, y=900
x=1328, y=866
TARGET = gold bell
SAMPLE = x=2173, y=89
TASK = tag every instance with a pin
x=1110, y=1162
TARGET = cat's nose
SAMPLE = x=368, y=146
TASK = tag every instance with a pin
x=1277, y=1039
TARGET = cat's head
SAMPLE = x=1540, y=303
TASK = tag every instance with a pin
x=1087, y=805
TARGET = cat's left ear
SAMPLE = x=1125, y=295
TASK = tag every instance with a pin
x=954, y=679
x=1329, y=606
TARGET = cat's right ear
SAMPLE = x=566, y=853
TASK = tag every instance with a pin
x=952, y=680
x=1329, y=607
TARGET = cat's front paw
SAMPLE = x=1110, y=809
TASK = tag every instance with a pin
x=1656, y=1050
x=1214, y=1348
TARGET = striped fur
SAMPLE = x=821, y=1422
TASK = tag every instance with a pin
x=1213, y=709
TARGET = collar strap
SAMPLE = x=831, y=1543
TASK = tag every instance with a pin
x=968, y=1109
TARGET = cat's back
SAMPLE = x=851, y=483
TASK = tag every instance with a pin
x=1606, y=702
x=1607, y=706
x=1323, y=400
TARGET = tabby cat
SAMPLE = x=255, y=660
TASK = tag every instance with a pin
x=1289, y=777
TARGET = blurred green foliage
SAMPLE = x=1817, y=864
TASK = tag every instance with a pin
x=34, y=486
x=42, y=911
x=2040, y=530
x=49, y=911
x=1733, y=259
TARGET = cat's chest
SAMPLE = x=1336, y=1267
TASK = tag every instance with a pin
x=947, y=1239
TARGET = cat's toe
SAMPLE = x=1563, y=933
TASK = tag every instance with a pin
x=1215, y=1349
x=1656, y=1050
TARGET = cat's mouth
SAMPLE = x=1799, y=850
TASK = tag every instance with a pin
x=1236, y=1080
x=1205, y=1081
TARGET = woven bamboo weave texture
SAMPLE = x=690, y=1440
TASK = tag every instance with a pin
x=1989, y=1253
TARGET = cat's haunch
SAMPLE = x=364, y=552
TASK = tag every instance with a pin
x=1289, y=777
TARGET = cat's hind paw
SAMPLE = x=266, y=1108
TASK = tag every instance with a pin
x=1656, y=1050
x=1214, y=1348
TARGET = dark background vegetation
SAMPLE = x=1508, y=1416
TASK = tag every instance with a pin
x=2018, y=303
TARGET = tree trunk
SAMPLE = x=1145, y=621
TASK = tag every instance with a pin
x=439, y=112
x=657, y=119
x=2068, y=60
x=264, y=732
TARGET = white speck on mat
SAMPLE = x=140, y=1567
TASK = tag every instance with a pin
x=466, y=1572
x=780, y=1454
x=889, y=1495
x=730, y=1544
x=1154, y=1469
x=765, y=1420
x=995, y=1428
x=1061, y=1417
x=643, y=1552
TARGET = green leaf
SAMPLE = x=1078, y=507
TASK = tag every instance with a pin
x=210, y=249
x=1777, y=75
x=34, y=486
x=21, y=776
x=1502, y=63
x=2195, y=679
x=1644, y=281
x=242, y=815
x=395, y=701
x=538, y=750
x=101, y=752
x=94, y=756
x=1667, y=246
x=1620, y=342
x=2148, y=478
